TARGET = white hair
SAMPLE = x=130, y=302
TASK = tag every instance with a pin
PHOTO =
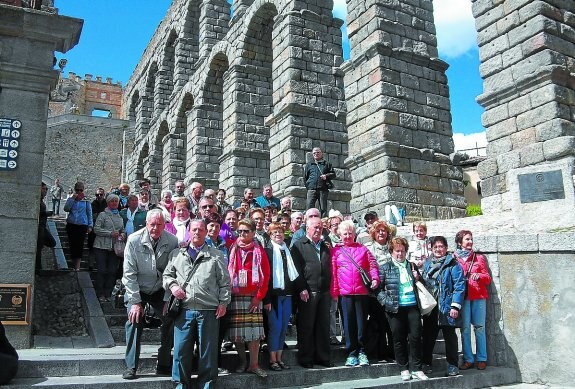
x=154, y=213
x=346, y=225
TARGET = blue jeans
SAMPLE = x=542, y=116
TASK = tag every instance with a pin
x=188, y=324
x=278, y=319
x=134, y=333
x=354, y=309
x=56, y=206
x=473, y=312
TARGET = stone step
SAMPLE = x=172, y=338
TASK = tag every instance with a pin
x=80, y=362
x=384, y=376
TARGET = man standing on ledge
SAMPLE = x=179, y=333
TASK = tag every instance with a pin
x=317, y=176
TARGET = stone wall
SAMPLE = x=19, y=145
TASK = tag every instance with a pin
x=84, y=148
x=527, y=53
x=532, y=298
x=27, y=76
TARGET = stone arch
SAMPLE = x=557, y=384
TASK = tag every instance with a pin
x=152, y=94
x=141, y=166
x=246, y=135
x=133, y=107
x=205, y=135
x=190, y=38
x=159, y=163
x=167, y=70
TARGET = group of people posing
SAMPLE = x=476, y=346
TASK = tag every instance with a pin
x=242, y=270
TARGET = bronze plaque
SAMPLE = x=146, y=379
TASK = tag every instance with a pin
x=15, y=304
x=543, y=186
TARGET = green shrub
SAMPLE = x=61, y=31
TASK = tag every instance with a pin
x=474, y=210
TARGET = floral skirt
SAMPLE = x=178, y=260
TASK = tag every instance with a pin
x=243, y=325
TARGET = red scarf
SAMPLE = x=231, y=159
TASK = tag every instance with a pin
x=239, y=250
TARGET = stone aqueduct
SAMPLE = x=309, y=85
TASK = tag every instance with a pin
x=236, y=101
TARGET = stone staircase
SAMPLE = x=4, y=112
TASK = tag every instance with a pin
x=103, y=367
x=98, y=368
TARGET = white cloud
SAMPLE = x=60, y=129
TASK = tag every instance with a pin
x=470, y=142
x=454, y=23
x=455, y=27
x=339, y=9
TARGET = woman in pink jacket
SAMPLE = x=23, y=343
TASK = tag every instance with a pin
x=474, y=307
x=347, y=258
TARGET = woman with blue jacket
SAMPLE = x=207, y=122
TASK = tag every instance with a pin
x=78, y=223
x=444, y=278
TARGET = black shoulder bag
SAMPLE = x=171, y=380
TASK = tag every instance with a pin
x=174, y=304
x=365, y=277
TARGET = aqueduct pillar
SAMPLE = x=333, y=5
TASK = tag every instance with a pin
x=399, y=121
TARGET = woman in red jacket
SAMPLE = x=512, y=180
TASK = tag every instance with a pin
x=474, y=307
x=347, y=258
x=250, y=272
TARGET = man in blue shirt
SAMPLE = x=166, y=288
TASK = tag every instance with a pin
x=267, y=198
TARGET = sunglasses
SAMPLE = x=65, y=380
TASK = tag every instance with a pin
x=99, y=194
x=241, y=232
x=207, y=206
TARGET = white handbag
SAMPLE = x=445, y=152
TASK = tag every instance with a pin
x=426, y=300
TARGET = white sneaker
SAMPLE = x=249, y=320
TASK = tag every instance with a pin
x=405, y=375
x=419, y=375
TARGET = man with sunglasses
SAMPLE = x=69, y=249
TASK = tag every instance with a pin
x=206, y=207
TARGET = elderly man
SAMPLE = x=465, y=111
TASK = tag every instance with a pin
x=248, y=197
x=268, y=198
x=312, y=213
x=206, y=206
x=179, y=189
x=198, y=276
x=286, y=203
x=223, y=206
x=145, y=259
x=317, y=177
x=313, y=260
x=197, y=190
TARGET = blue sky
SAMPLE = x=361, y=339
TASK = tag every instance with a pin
x=116, y=33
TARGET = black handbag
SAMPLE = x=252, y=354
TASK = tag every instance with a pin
x=174, y=304
x=365, y=277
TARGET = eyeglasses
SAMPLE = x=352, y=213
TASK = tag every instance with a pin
x=78, y=190
x=99, y=194
x=241, y=232
x=206, y=206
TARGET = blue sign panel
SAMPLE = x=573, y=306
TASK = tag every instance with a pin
x=10, y=131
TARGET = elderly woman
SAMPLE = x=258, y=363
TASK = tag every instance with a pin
x=443, y=277
x=134, y=218
x=474, y=307
x=249, y=271
x=144, y=202
x=278, y=301
x=399, y=298
x=78, y=222
x=124, y=194
x=347, y=258
x=109, y=227
x=167, y=203
x=420, y=246
x=333, y=225
x=179, y=224
x=381, y=340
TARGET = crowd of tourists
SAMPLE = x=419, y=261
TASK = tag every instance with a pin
x=242, y=273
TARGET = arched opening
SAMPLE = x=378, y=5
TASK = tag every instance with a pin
x=160, y=171
x=247, y=137
x=168, y=68
x=133, y=107
x=142, y=167
x=180, y=131
x=152, y=94
x=191, y=34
